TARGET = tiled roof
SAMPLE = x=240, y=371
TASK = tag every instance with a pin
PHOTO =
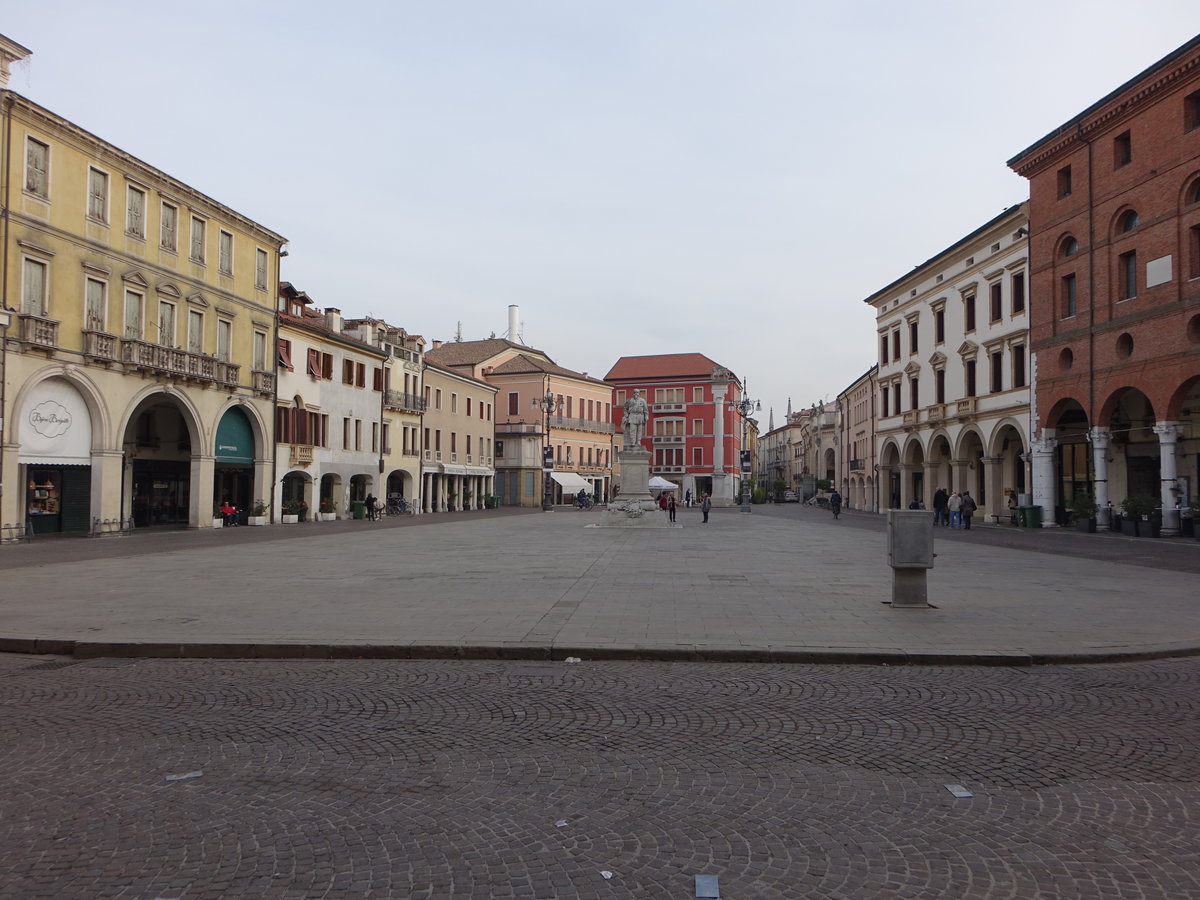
x=472, y=353
x=666, y=365
x=522, y=364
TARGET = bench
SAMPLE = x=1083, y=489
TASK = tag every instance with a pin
x=998, y=517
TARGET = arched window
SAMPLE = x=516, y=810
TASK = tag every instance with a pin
x=1129, y=220
x=1192, y=195
x=1070, y=247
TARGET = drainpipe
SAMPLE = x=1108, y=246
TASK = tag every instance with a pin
x=1091, y=279
x=274, y=351
x=4, y=168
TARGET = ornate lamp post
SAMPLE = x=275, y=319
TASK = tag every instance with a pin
x=547, y=404
x=745, y=407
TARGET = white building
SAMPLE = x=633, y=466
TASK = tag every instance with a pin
x=953, y=381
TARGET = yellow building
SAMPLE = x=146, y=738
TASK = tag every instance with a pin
x=138, y=377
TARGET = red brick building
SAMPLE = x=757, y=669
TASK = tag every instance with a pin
x=694, y=429
x=1115, y=295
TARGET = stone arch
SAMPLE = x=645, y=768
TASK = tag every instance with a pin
x=889, y=453
x=200, y=436
x=1124, y=221
x=1066, y=246
x=1061, y=407
x=93, y=398
x=1189, y=194
x=1184, y=402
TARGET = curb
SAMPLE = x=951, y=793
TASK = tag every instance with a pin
x=535, y=652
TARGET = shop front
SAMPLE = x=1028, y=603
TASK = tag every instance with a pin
x=55, y=458
x=234, y=454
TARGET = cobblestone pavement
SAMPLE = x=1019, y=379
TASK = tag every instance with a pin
x=444, y=778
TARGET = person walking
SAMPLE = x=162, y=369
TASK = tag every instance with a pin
x=954, y=507
x=370, y=505
x=968, y=509
x=671, y=508
x=705, y=506
x=939, y=506
x=687, y=498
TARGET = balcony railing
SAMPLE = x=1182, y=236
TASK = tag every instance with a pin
x=300, y=455
x=102, y=346
x=404, y=402
x=669, y=439
x=910, y=417
x=936, y=413
x=581, y=424
x=857, y=465
x=177, y=363
x=39, y=331
x=667, y=407
x=264, y=382
x=966, y=407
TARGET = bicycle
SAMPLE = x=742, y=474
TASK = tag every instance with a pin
x=397, y=506
x=584, y=502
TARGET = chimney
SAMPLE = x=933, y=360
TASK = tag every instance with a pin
x=333, y=319
x=514, y=324
x=436, y=344
x=10, y=52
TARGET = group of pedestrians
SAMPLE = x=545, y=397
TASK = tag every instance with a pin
x=666, y=502
x=952, y=509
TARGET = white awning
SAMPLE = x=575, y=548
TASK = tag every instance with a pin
x=658, y=483
x=571, y=482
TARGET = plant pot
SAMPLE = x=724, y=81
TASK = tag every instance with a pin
x=290, y=519
x=326, y=517
x=1087, y=526
x=256, y=520
x=1147, y=528
x=219, y=523
x=1128, y=527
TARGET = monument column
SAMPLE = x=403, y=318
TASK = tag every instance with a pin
x=1168, y=468
x=1043, y=476
x=721, y=493
x=1100, y=438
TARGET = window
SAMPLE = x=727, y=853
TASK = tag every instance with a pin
x=95, y=304
x=939, y=386
x=374, y=437
x=358, y=434
x=260, y=350
x=697, y=426
x=1064, y=182
x=668, y=395
x=167, y=227
x=37, y=165
x=1194, y=244
x=33, y=290
x=1018, y=292
x=314, y=363
x=1122, y=150
x=513, y=404
x=883, y=401
x=166, y=323
x=914, y=393
x=883, y=349
x=437, y=439
x=997, y=359
x=969, y=312
x=1068, y=296
x=345, y=433
x=697, y=456
x=939, y=326
x=1191, y=111
x=97, y=207
x=453, y=402
x=437, y=398
x=284, y=348
x=1018, y=364
x=1127, y=275
x=327, y=366
x=196, y=253
x=377, y=379
x=224, y=339
x=260, y=269
x=997, y=301
x=912, y=337
x=1070, y=247
x=135, y=211
x=1129, y=220
x=133, y=315
x=225, y=252
x=970, y=372
x=697, y=395
x=896, y=344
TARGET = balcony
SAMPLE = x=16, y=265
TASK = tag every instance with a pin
x=38, y=331
x=911, y=417
x=264, y=382
x=669, y=439
x=936, y=413
x=965, y=407
x=581, y=424
x=857, y=465
x=300, y=455
x=98, y=345
x=404, y=402
x=176, y=363
x=667, y=407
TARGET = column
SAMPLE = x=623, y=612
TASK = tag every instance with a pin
x=1043, y=476
x=906, y=493
x=931, y=483
x=959, y=475
x=720, y=493
x=1100, y=438
x=992, y=479
x=200, y=491
x=1168, y=468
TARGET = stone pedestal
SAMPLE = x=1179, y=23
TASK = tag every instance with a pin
x=635, y=507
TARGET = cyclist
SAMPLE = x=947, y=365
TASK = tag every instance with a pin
x=835, y=503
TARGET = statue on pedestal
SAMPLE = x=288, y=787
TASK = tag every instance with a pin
x=634, y=422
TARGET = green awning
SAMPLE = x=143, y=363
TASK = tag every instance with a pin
x=235, y=440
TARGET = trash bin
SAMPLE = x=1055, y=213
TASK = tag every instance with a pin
x=359, y=508
x=1030, y=516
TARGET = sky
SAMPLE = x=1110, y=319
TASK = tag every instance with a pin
x=639, y=176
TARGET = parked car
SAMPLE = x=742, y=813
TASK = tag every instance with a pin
x=790, y=497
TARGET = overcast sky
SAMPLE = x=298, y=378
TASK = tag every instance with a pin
x=640, y=176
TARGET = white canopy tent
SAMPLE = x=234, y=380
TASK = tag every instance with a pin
x=658, y=483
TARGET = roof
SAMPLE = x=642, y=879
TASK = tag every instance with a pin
x=664, y=365
x=472, y=353
x=522, y=364
x=461, y=376
x=1107, y=99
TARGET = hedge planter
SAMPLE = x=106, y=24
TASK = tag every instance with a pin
x=1148, y=528
x=290, y=520
x=256, y=520
x=1087, y=526
x=1128, y=527
x=218, y=523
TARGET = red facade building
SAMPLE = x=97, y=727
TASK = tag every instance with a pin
x=694, y=431
x=1115, y=296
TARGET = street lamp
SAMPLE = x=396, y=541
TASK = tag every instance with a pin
x=547, y=405
x=745, y=407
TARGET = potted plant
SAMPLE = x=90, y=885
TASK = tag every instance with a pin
x=466, y=497
x=451, y=501
x=291, y=511
x=1084, y=508
x=1136, y=519
x=258, y=514
x=218, y=516
x=325, y=512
